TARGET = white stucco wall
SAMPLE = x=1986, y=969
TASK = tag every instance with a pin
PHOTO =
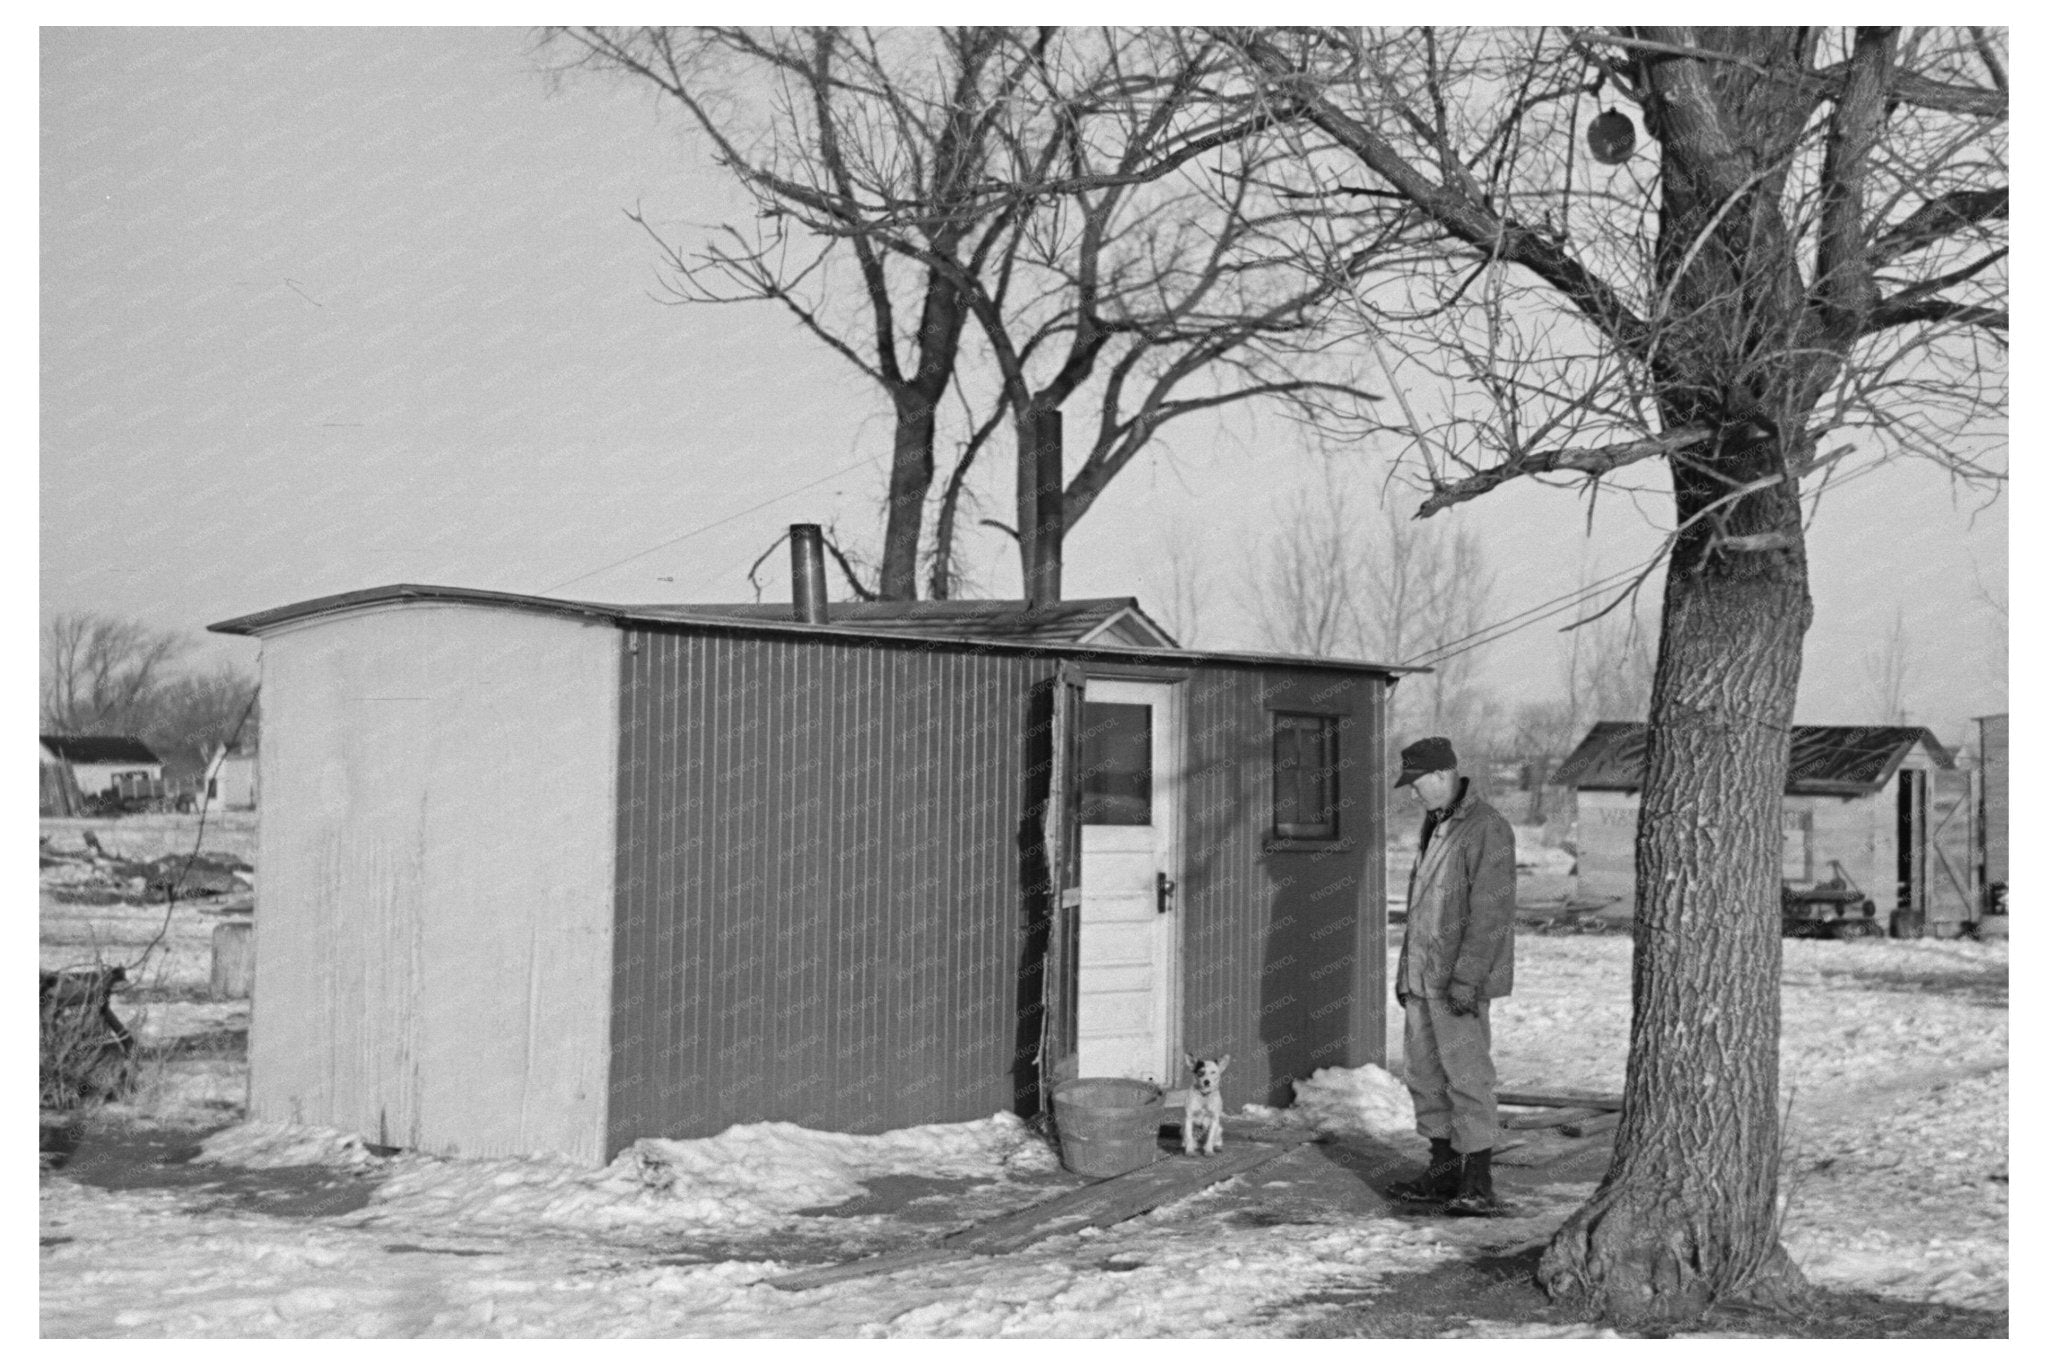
x=233, y=780
x=435, y=878
x=94, y=778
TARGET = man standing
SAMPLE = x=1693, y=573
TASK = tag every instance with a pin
x=1457, y=956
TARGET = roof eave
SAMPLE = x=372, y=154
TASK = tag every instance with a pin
x=1823, y=787
x=258, y=623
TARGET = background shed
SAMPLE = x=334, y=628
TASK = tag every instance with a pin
x=102, y=763
x=1886, y=803
x=1994, y=806
x=546, y=875
x=229, y=779
x=58, y=791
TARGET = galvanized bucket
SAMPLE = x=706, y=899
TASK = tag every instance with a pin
x=1107, y=1125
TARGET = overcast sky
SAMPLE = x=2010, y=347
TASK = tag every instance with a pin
x=328, y=309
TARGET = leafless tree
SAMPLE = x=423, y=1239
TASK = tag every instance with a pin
x=1605, y=665
x=1606, y=662
x=1995, y=599
x=1545, y=729
x=1039, y=221
x=201, y=711
x=1887, y=665
x=1185, y=581
x=834, y=135
x=102, y=675
x=1813, y=246
x=1337, y=578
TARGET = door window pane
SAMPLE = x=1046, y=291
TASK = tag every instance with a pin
x=1116, y=763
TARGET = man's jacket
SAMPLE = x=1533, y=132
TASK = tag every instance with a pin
x=1461, y=904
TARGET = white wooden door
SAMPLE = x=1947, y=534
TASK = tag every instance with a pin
x=1129, y=991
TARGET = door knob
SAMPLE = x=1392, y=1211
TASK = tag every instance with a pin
x=1166, y=889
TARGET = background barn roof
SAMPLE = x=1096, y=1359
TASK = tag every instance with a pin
x=1827, y=760
x=99, y=749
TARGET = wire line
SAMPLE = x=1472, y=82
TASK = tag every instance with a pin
x=1569, y=599
x=708, y=526
x=1450, y=649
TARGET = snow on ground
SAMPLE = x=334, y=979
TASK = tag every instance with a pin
x=376, y=1273
x=1893, y=1066
x=752, y=1176
x=139, y=838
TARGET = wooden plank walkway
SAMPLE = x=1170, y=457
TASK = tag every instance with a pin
x=1100, y=1205
x=1559, y=1099
x=1549, y=1118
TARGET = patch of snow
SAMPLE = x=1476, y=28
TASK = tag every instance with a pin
x=265, y=1145
x=1488, y=1330
x=76, y=874
x=1340, y=1099
x=752, y=1176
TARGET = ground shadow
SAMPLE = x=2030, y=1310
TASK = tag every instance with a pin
x=228, y=1044
x=1500, y=1287
x=114, y=1157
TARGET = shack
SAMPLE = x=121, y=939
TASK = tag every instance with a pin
x=1994, y=806
x=1884, y=805
x=552, y=876
x=106, y=765
x=228, y=781
x=57, y=785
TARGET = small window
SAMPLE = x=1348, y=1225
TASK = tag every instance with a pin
x=1304, y=776
x=1116, y=763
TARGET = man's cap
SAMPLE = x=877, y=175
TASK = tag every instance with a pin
x=1432, y=755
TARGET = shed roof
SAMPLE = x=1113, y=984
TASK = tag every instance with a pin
x=1080, y=621
x=1827, y=760
x=183, y=762
x=99, y=749
x=1001, y=626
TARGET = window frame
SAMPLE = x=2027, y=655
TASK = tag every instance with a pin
x=1319, y=834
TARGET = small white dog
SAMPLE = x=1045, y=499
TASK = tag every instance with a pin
x=1205, y=1105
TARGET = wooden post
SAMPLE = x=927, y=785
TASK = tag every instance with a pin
x=234, y=959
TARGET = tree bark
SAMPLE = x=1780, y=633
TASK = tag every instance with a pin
x=910, y=480
x=1688, y=1213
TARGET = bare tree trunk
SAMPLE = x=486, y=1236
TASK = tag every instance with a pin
x=1040, y=532
x=1688, y=1212
x=910, y=480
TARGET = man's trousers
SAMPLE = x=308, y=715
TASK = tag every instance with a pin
x=1450, y=1073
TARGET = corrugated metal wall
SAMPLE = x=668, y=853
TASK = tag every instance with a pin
x=820, y=911
x=822, y=915
x=1285, y=942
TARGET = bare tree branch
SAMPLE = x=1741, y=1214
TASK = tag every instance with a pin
x=1932, y=222
x=1593, y=460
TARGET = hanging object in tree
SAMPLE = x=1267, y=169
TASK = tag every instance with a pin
x=1612, y=137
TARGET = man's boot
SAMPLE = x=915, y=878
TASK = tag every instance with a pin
x=1436, y=1184
x=1475, y=1197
